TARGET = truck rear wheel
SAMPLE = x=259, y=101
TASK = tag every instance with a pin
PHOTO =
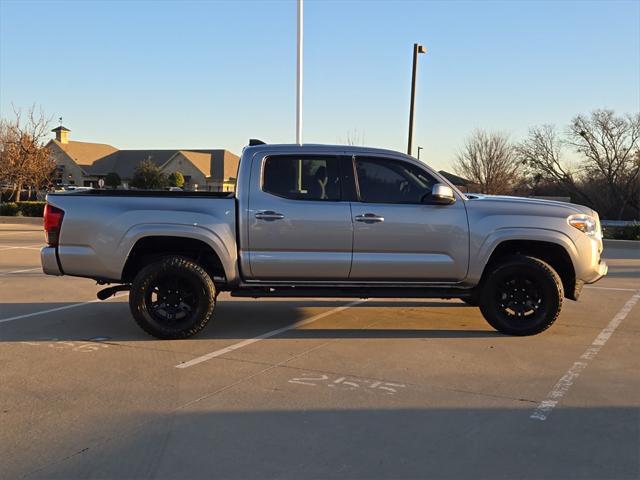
x=172, y=298
x=521, y=296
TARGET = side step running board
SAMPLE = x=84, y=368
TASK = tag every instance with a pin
x=354, y=292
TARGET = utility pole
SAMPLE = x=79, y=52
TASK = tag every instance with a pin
x=416, y=50
x=299, y=78
x=419, y=148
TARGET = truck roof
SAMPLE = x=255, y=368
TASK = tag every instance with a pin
x=323, y=147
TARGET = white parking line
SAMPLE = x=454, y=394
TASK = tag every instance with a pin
x=57, y=309
x=264, y=336
x=21, y=271
x=611, y=288
x=544, y=408
x=26, y=247
x=5, y=234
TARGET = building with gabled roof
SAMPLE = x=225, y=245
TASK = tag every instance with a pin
x=462, y=183
x=84, y=163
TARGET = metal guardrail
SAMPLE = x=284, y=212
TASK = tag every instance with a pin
x=618, y=223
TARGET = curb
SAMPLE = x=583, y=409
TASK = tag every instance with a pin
x=621, y=243
x=21, y=220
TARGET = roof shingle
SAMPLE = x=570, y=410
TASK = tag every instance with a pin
x=100, y=159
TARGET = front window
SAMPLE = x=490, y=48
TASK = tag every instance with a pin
x=390, y=181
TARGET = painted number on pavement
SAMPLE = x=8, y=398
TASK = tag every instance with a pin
x=82, y=346
x=348, y=383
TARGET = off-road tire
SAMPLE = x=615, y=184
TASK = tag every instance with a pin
x=192, y=280
x=501, y=290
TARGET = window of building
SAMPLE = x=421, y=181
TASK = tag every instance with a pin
x=390, y=181
x=302, y=178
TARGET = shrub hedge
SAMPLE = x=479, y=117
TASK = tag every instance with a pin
x=26, y=209
x=9, y=209
x=628, y=232
x=32, y=209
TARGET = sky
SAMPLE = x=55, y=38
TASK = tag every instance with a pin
x=212, y=74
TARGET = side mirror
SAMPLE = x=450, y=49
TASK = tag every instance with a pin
x=442, y=194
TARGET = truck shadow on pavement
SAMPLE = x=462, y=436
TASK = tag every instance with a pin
x=243, y=319
x=344, y=443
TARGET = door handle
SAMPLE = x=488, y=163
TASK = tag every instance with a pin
x=369, y=218
x=269, y=215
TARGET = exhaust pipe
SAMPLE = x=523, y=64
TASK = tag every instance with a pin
x=111, y=291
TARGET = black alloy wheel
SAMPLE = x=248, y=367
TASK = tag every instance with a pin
x=521, y=295
x=172, y=298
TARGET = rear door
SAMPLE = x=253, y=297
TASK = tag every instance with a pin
x=397, y=236
x=299, y=227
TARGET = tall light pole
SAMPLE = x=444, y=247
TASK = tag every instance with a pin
x=299, y=78
x=416, y=50
x=419, y=148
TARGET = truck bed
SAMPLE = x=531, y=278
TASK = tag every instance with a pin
x=101, y=227
x=144, y=193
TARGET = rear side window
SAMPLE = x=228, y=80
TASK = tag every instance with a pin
x=390, y=181
x=302, y=178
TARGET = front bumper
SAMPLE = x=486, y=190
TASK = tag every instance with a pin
x=588, y=262
x=49, y=261
x=601, y=271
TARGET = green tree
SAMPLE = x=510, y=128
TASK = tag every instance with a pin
x=112, y=180
x=148, y=176
x=176, y=179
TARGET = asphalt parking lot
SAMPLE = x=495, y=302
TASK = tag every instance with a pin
x=314, y=388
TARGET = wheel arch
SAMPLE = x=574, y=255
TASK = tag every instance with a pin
x=553, y=253
x=150, y=247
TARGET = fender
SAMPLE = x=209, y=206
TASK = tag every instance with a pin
x=195, y=231
x=483, y=252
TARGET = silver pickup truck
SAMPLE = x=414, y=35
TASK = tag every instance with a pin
x=325, y=221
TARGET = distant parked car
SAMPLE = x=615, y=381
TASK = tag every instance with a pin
x=71, y=188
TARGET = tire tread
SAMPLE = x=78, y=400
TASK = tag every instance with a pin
x=139, y=286
x=532, y=262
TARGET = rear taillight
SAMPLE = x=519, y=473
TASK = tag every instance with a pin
x=52, y=223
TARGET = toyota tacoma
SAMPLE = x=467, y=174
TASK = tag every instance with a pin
x=325, y=221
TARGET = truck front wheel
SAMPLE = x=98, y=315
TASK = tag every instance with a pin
x=521, y=296
x=172, y=298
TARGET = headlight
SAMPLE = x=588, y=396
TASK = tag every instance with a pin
x=585, y=223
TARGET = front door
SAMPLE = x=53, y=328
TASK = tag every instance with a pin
x=398, y=235
x=299, y=226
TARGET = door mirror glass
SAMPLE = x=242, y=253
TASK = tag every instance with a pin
x=440, y=193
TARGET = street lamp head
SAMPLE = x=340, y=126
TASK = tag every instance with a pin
x=422, y=49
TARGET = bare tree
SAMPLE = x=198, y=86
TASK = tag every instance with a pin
x=354, y=138
x=541, y=154
x=610, y=145
x=489, y=160
x=24, y=160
